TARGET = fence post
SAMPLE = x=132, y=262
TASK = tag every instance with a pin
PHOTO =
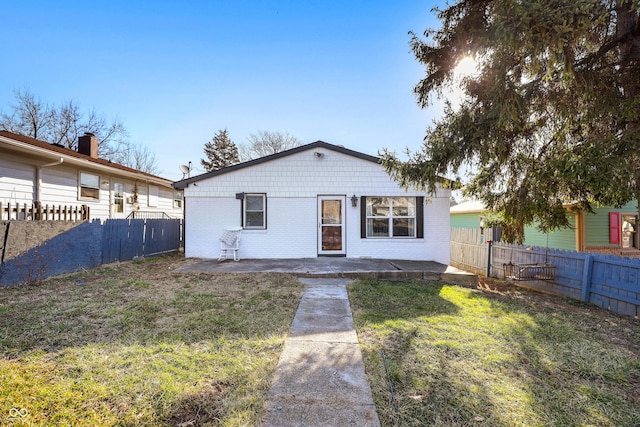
x=489, y=258
x=587, y=272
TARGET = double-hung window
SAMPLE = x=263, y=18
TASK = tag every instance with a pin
x=177, y=199
x=255, y=211
x=89, y=186
x=391, y=217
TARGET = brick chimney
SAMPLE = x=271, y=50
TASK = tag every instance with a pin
x=88, y=145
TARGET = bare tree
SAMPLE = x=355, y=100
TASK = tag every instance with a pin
x=65, y=123
x=138, y=157
x=30, y=117
x=265, y=143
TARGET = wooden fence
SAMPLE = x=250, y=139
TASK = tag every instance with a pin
x=469, y=250
x=37, y=212
x=90, y=244
x=125, y=239
x=610, y=282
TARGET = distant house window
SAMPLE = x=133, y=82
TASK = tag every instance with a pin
x=255, y=211
x=153, y=196
x=118, y=197
x=89, y=186
x=177, y=199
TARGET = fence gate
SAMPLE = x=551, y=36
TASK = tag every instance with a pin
x=125, y=239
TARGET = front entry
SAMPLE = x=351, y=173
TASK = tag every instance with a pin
x=331, y=225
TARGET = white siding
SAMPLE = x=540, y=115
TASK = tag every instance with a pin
x=59, y=186
x=292, y=185
x=16, y=180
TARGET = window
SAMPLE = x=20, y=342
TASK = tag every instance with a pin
x=629, y=227
x=118, y=197
x=391, y=217
x=89, y=186
x=255, y=211
x=177, y=199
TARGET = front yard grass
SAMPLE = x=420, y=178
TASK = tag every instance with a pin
x=136, y=344
x=476, y=357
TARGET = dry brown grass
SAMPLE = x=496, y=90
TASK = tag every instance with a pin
x=136, y=343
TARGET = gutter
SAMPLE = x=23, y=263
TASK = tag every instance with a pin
x=80, y=162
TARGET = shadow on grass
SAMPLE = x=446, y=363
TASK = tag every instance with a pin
x=136, y=344
x=459, y=357
x=104, y=308
x=202, y=407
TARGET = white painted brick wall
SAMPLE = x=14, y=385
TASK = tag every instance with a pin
x=292, y=185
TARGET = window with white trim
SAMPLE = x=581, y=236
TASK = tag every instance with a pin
x=391, y=217
x=89, y=186
x=255, y=211
x=177, y=199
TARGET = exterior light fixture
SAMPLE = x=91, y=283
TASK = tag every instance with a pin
x=354, y=201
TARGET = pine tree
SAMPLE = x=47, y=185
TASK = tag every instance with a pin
x=221, y=152
x=551, y=117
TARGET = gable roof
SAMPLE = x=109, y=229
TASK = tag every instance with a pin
x=27, y=144
x=314, y=145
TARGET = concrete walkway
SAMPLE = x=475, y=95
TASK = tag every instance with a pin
x=320, y=378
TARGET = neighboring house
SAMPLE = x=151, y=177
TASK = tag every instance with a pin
x=607, y=230
x=35, y=174
x=314, y=200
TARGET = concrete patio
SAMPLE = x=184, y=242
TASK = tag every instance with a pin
x=338, y=267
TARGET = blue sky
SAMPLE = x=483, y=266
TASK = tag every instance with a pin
x=176, y=72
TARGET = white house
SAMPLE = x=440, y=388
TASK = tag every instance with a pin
x=35, y=174
x=314, y=200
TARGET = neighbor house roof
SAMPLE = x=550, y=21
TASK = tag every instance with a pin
x=314, y=145
x=470, y=206
x=25, y=144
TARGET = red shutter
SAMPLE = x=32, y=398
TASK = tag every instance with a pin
x=614, y=228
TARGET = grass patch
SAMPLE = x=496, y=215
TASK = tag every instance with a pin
x=136, y=344
x=470, y=357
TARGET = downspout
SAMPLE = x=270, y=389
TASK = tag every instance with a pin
x=39, y=176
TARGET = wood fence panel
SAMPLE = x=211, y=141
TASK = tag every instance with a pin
x=468, y=249
x=608, y=281
x=36, y=212
x=110, y=241
x=161, y=235
x=615, y=284
x=122, y=239
x=132, y=243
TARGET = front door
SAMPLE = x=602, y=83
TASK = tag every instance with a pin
x=117, y=200
x=331, y=225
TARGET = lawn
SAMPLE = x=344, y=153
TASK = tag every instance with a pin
x=497, y=356
x=137, y=344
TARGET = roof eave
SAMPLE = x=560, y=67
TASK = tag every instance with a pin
x=314, y=145
x=77, y=161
